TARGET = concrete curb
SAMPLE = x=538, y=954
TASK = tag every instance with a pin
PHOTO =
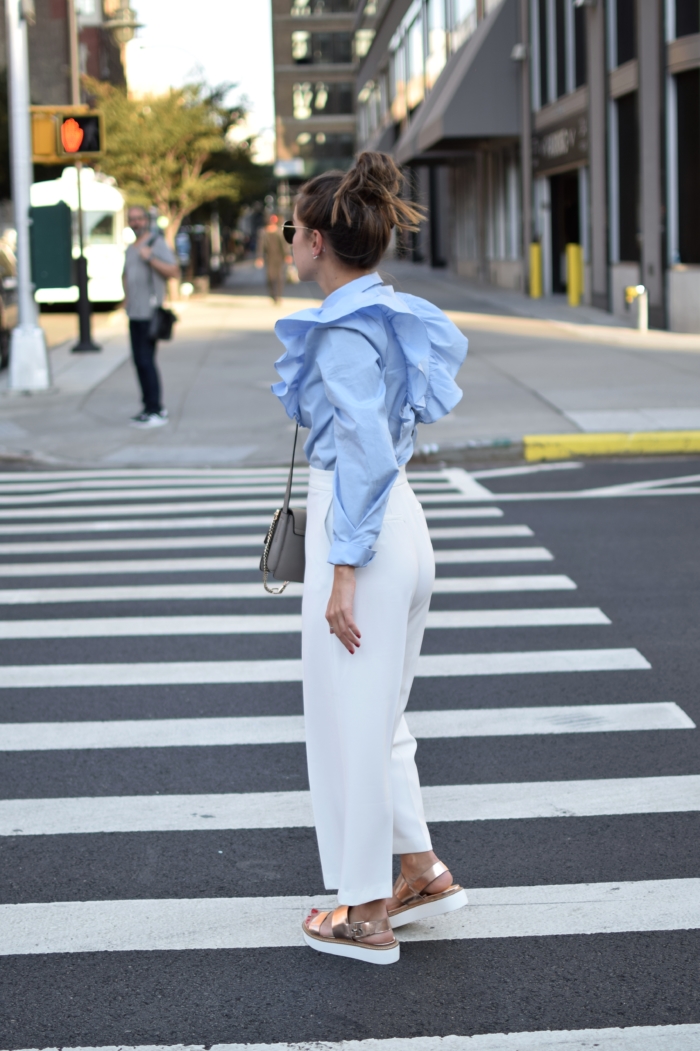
x=642, y=443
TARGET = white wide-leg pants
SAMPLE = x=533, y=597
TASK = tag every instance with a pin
x=364, y=783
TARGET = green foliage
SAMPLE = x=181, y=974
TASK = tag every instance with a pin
x=171, y=150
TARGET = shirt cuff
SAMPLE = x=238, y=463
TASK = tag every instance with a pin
x=344, y=553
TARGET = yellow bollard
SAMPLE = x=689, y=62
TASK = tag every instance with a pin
x=535, y=270
x=574, y=274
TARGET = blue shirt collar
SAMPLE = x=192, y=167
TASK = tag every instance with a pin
x=360, y=284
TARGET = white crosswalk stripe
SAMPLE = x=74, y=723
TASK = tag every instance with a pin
x=271, y=624
x=227, y=540
x=163, y=673
x=234, y=565
x=631, y=1038
x=491, y=802
x=255, y=923
x=192, y=592
x=289, y=729
x=83, y=514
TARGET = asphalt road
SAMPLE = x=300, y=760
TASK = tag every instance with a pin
x=585, y=912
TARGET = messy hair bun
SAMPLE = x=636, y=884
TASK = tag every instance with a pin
x=357, y=210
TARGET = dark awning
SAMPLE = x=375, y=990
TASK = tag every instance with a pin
x=477, y=95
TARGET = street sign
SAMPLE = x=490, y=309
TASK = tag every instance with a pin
x=64, y=133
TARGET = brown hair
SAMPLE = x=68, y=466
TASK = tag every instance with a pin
x=357, y=210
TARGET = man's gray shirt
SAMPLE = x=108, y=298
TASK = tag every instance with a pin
x=145, y=288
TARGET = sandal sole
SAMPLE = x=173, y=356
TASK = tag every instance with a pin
x=439, y=907
x=353, y=952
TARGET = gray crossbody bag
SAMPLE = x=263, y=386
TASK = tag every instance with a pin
x=283, y=556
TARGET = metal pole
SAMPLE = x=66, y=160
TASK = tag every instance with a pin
x=526, y=144
x=85, y=342
x=73, y=52
x=29, y=364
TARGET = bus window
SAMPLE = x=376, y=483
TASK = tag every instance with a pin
x=98, y=228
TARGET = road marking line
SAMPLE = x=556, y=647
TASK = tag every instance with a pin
x=289, y=729
x=274, y=624
x=178, y=508
x=203, y=522
x=264, y=810
x=121, y=495
x=181, y=924
x=631, y=1038
x=193, y=592
x=224, y=565
x=199, y=673
x=136, y=525
x=181, y=507
x=228, y=540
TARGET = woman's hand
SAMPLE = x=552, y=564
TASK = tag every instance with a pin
x=339, y=612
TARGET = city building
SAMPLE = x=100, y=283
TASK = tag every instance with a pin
x=548, y=121
x=99, y=55
x=316, y=48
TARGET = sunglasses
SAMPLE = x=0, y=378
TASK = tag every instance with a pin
x=289, y=229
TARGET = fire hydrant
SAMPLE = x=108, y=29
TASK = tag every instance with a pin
x=639, y=293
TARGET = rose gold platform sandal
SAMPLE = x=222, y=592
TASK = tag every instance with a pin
x=416, y=905
x=347, y=937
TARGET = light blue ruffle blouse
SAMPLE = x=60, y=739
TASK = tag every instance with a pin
x=359, y=371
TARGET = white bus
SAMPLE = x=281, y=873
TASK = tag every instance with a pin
x=104, y=234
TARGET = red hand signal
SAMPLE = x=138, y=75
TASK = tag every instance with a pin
x=72, y=135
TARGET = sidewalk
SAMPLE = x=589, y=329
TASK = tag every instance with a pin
x=556, y=372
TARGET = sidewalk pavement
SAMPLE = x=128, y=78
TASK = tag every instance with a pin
x=532, y=369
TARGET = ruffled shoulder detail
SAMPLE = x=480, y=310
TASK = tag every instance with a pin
x=433, y=347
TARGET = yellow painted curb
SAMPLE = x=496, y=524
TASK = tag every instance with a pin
x=640, y=443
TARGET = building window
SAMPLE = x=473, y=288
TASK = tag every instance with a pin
x=326, y=146
x=544, y=51
x=437, y=41
x=415, y=79
x=304, y=8
x=321, y=48
x=363, y=42
x=626, y=31
x=463, y=21
x=580, y=52
x=688, y=111
x=687, y=17
x=560, y=31
x=302, y=100
x=321, y=99
x=628, y=177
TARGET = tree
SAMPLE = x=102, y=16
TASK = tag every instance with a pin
x=170, y=150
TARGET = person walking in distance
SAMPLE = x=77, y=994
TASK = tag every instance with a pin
x=273, y=255
x=147, y=266
x=360, y=371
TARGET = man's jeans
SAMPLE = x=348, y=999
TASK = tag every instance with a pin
x=143, y=349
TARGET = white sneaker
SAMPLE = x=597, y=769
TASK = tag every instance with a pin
x=151, y=419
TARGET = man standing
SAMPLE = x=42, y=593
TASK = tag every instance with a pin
x=147, y=266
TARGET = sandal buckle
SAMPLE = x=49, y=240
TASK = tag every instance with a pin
x=356, y=930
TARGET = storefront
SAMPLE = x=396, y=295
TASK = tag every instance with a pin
x=560, y=174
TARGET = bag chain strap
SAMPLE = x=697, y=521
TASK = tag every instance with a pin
x=275, y=518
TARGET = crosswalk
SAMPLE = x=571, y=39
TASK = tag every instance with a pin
x=134, y=671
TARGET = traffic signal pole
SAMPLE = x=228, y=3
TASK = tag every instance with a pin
x=85, y=342
x=29, y=363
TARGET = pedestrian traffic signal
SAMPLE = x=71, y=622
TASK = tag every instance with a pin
x=80, y=135
x=64, y=133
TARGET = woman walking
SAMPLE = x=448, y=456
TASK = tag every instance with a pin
x=359, y=371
